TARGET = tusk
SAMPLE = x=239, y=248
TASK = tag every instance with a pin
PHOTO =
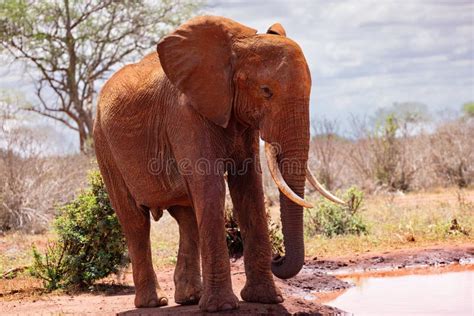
x=318, y=186
x=278, y=178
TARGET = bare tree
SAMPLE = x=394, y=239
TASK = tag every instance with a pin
x=325, y=146
x=452, y=152
x=71, y=45
x=386, y=153
x=359, y=154
x=30, y=182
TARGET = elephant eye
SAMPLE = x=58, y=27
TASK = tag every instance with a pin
x=267, y=93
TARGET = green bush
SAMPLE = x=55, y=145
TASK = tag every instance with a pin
x=330, y=219
x=50, y=266
x=386, y=147
x=90, y=243
x=235, y=243
x=468, y=109
x=234, y=239
x=276, y=236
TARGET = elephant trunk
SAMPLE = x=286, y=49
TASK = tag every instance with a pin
x=292, y=159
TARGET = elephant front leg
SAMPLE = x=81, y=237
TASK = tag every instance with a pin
x=247, y=197
x=208, y=194
x=187, y=274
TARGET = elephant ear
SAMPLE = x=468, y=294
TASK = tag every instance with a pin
x=197, y=59
x=277, y=29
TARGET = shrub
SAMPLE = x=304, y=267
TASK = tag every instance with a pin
x=387, y=154
x=50, y=267
x=90, y=243
x=235, y=243
x=32, y=177
x=330, y=219
x=234, y=239
x=394, y=165
x=276, y=236
x=325, y=151
x=468, y=109
x=452, y=152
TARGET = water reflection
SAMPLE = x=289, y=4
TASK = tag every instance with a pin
x=422, y=292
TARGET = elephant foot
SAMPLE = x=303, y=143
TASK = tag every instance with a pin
x=187, y=293
x=216, y=300
x=266, y=293
x=150, y=299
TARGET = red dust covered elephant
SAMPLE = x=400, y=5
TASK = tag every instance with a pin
x=168, y=130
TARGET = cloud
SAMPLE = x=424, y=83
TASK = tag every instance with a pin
x=367, y=54
x=364, y=54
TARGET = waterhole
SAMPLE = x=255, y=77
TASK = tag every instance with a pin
x=443, y=291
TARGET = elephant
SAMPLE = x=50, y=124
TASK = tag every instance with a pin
x=206, y=97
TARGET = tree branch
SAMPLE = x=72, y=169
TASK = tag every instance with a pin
x=59, y=119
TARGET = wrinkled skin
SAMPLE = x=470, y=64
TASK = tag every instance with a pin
x=213, y=87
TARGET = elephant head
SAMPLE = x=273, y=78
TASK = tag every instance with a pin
x=226, y=70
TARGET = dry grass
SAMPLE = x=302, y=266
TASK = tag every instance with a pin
x=405, y=221
x=15, y=249
x=396, y=221
x=164, y=241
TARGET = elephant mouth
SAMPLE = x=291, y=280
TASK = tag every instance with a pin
x=278, y=259
x=271, y=153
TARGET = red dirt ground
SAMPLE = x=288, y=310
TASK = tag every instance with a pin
x=303, y=293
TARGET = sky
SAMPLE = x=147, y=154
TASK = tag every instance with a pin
x=363, y=54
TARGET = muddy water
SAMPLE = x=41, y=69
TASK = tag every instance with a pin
x=420, y=292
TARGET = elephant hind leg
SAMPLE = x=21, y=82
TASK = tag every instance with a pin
x=135, y=223
x=187, y=274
